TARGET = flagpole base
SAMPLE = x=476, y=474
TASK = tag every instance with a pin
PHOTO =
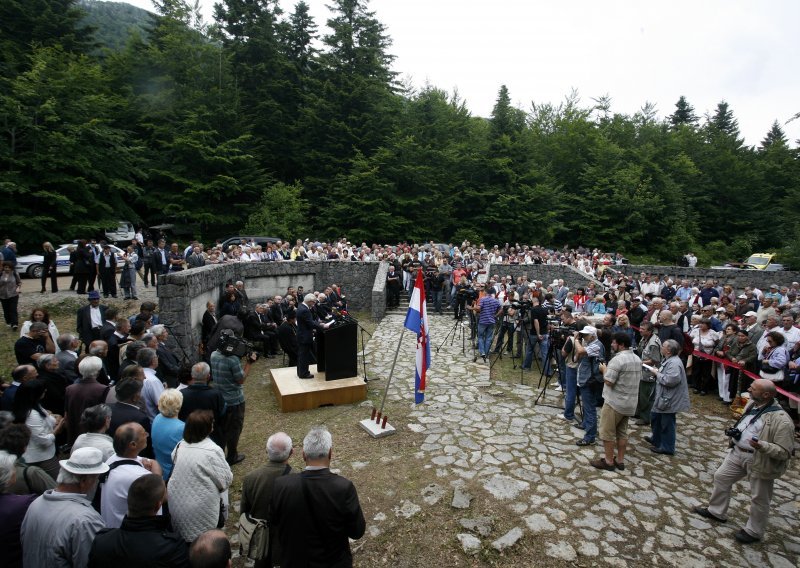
x=375, y=430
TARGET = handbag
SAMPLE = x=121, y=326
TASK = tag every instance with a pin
x=254, y=533
x=253, y=537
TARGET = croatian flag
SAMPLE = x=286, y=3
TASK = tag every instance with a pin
x=417, y=321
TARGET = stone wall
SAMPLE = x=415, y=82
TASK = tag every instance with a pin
x=182, y=296
x=737, y=278
x=547, y=273
x=379, y=292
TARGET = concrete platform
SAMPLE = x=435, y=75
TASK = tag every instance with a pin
x=293, y=393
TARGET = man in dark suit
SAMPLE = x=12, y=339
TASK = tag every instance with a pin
x=209, y=323
x=317, y=511
x=90, y=319
x=306, y=324
x=198, y=395
x=287, y=337
x=260, y=329
x=168, y=364
x=107, y=268
x=160, y=258
x=128, y=392
x=68, y=356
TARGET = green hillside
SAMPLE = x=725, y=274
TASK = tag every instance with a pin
x=113, y=21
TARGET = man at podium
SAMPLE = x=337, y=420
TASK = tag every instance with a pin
x=306, y=324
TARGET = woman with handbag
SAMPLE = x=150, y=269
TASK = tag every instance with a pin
x=198, y=486
x=774, y=357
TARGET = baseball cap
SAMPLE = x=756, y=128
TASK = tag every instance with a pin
x=589, y=330
x=750, y=313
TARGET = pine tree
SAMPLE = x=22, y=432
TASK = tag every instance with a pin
x=684, y=114
x=775, y=138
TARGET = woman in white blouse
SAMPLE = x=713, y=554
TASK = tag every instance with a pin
x=44, y=426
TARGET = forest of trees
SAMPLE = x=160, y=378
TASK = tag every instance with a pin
x=271, y=123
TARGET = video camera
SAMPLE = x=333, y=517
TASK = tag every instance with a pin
x=522, y=305
x=468, y=294
x=229, y=344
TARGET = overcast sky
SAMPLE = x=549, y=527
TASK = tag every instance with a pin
x=745, y=52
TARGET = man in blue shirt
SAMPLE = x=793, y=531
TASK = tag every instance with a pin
x=489, y=308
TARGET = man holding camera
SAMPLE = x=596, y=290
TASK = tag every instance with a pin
x=539, y=333
x=488, y=310
x=761, y=445
x=229, y=375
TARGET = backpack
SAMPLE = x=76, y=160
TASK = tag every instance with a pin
x=104, y=477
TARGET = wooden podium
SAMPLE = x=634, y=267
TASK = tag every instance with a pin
x=294, y=393
x=337, y=351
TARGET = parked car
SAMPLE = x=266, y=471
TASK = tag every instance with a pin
x=30, y=265
x=756, y=261
x=262, y=241
x=122, y=233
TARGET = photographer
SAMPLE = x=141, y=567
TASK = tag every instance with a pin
x=588, y=349
x=558, y=338
x=761, y=446
x=465, y=294
x=539, y=333
x=508, y=323
x=229, y=376
x=488, y=309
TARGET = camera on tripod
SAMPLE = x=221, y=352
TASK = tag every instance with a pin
x=468, y=294
x=229, y=344
x=522, y=305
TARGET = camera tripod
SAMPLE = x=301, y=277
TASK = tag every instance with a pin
x=508, y=345
x=457, y=330
x=545, y=378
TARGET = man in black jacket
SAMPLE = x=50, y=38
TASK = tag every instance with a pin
x=287, y=337
x=317, y=511
x=107, y=268
x=306, y=324
x=90, y=319
x=199, y=396
x=260, y=329
x=144, y=539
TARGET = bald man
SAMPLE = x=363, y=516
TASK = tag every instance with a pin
x=761, y=449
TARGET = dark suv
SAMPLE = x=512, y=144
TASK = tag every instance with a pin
x=261, y=241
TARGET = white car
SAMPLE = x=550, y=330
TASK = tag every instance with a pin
x=30, y=265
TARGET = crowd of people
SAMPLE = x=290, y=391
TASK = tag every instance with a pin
x=118, y=406
x=131, y=423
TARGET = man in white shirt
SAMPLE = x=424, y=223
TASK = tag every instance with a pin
x=789, y=331
x=125, y=467
x=153, y=386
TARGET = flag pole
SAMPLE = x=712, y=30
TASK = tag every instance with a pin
x=391, y=371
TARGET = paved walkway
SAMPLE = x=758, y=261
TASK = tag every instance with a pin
x=490, y=438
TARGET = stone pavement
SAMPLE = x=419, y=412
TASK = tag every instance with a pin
x=490, y=439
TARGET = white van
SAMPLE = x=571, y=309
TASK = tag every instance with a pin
x=123, y=232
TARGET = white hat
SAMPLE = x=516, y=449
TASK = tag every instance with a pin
x=589, y=330
x=742, y=296
x=85, y=461
x=721, y=309
x=750, y=313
